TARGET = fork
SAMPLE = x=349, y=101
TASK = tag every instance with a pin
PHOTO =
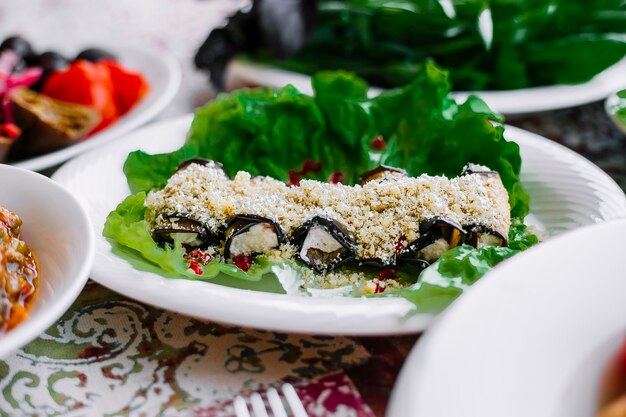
x=276, y=404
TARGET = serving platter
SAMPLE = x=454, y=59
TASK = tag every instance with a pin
x=567, y=191
x=532, y=339
x=511, y=102
x=162, y=72
x=58, y=231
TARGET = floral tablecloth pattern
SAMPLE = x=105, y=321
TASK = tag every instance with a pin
x=109, y=355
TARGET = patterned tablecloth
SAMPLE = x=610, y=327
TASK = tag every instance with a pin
x=109, y=355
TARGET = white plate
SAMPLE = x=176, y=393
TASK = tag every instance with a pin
x=568, y=191
x=57, y=229
x=526, y=100
x=529, y=340
x=163, y=74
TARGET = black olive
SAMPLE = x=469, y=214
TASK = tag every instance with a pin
x=52, y=61
x=18, y=45
x=95, y=55
x=379, y=173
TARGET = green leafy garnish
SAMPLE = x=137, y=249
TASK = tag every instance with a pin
x=270, y=132
x=126, y=226
x=445, y=280
x=619, y=107
x=487, y=45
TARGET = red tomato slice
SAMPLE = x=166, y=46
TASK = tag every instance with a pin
x=85, y=83
x=129, y=87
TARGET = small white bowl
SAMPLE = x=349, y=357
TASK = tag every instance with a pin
x=532, y=339
x=57, y=229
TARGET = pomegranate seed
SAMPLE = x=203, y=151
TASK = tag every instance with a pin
x=380, y=286
x=336, y=178
x=195, y=267
x=10, y=130
x=243, y=262
x=400, y=244
x=310, y=166
x=294, y=178
x=379, y=143
x=388, y=274
x=199, y=256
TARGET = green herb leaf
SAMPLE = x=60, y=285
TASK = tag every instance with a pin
x=461, y=267
x=127, y=227
x=526, y=43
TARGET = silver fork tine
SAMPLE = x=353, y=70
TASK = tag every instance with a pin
x=276, y=403
x=241, y=409
x=258, y=405
x=294, y=401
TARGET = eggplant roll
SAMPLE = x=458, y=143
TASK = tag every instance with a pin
x=324, y=244
x=388, y=218
x=248, y=235
x=186, y=230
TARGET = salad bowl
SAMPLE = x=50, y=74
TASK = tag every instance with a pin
x=57, y=229
x=163, y=74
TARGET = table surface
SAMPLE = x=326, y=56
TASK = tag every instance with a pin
x=109, y=355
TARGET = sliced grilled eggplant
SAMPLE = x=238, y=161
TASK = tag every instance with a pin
x=470, y=169
x=186, y=230
x=480, y=236
x=203, y=162
x=375, y=262
x=324, y=244
x=380, y=172
x=48, y=124
x=437, y=235
x=250, y=235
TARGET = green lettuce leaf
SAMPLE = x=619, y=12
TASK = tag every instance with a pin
x=618, y=109
x=457, y=269
x=270, y=132
x=126, y=226
x=145, y=172
x=525, y=43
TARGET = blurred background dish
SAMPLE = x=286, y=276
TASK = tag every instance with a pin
x=533, y=339
x=163, y=75
x=507, y=102
x=615, y=107
x=567, y=192
x=57, y=230
x=521, y=57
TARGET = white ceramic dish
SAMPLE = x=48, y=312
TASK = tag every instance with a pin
x=163, y=74
x=527, y=100
x=612, y=105
x=568, y=191
x=57, y=229
x=531, y=340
